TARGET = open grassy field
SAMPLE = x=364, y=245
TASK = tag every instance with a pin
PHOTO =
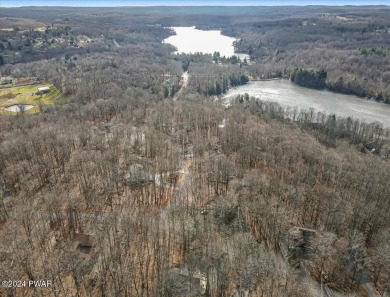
x=28, y=95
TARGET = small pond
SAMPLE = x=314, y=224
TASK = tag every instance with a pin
x=19, y=107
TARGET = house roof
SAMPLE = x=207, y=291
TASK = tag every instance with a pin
x=84, y=239
x=44, y=89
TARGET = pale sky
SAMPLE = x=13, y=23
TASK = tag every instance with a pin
x=105, y=3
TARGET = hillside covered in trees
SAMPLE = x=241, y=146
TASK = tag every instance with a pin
x=138, y=183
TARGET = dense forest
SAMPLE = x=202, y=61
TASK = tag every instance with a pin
x=138, y=183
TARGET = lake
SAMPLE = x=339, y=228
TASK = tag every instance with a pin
x=287, y=93
x=190, y=40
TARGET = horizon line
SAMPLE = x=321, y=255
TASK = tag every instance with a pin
x=186, y=3
x=193, y=5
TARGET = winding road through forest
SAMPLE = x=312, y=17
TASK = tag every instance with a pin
x=184, y=83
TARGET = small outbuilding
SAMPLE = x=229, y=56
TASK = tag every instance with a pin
x=84, y=239
x=43, y=90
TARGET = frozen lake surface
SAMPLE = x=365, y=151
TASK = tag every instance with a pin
x=287, y=93
x=190, y=40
